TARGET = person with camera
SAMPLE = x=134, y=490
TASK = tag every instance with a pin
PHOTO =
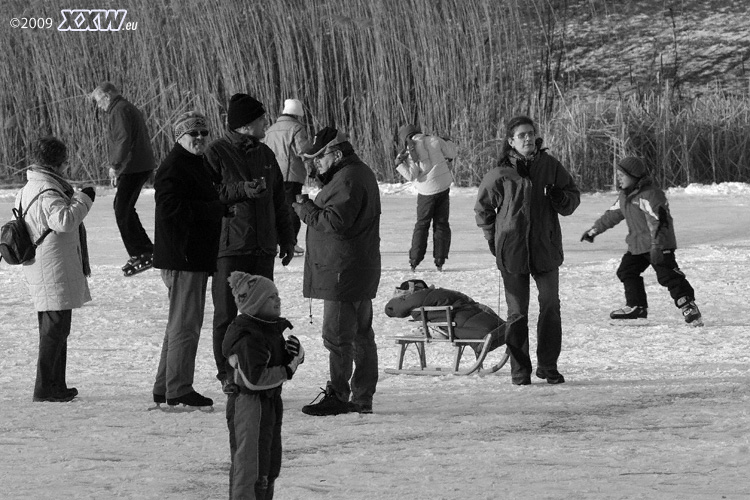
x=259, y=225
x=57, y=276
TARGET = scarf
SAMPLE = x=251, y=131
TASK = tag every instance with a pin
x=69, y=191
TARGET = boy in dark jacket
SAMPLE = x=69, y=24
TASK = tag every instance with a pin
x=261, y=362
x=651, y=241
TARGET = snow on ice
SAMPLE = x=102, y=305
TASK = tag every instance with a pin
x=660, y=411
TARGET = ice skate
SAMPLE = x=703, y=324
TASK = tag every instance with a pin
x=439, y=264
x=298, y=251
x=137, y=264
x=691, y=313
x=189, y=402
x=628, y=312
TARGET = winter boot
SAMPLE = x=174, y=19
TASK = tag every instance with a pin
x=629, y=312
x=329, y=405
x=690, y=311
x=552, y=376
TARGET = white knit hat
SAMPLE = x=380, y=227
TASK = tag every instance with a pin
x=293, y=107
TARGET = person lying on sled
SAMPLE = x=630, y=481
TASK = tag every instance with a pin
x=473, y=320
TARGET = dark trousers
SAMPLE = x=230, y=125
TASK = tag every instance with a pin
x=431, y=209
x=133, y=235
x=254, y=423
x=291, y=190
x=225, y=309
x=54, y=329
x=549, y=324
x=668, y=274
x=352, y=352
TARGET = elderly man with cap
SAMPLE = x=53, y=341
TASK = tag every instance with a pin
x=188, y=221
x=131, y=162
x=249, y=180
x=342, y=267
x=288, y=140
x=424, y=161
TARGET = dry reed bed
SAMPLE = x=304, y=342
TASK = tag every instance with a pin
x=457, y=68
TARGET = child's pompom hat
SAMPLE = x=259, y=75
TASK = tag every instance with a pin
x=250, y=291
x=633, y=166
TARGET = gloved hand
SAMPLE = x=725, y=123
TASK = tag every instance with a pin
x=295, y=362
x=401, y=158
x=589, y=235
x=292, y=345
x=90, y=192
x=491, y=244
x=554, y=193
x=286, y=253
x=656, y=255
x=255, y=189
x=302, y=209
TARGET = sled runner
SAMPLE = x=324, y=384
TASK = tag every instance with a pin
x=442, y=331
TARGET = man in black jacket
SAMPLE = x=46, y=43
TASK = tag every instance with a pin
x=250, y=182
x=188, y=222
x=131, y=162
x=342, y=267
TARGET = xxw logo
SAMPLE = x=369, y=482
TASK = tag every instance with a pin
x=92, y=20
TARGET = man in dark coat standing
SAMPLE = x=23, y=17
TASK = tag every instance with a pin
x=342, y=267
x=188, y=222
x=131, y=162
x=250, y=182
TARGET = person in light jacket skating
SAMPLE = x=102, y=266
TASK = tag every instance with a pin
x=424, y=161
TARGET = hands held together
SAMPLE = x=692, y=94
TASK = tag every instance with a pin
x=294, y=349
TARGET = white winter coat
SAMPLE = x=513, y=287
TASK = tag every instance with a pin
x=430, y=173
x=55, y=277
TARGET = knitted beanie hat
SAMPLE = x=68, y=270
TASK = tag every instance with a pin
x=633, y=166
x=412, y=285
x=250, y=291
x=243, y=109
x=293, y=107
x=187, y=122
x=405, y=132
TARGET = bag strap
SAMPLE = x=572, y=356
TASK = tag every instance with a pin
x=22, y=215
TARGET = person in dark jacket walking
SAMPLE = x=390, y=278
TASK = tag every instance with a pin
x=250, y=181
x=651, y=241
x=517, y=208
x=188, y=222
x=262, y=360
x=342, y=267
x=131, y=163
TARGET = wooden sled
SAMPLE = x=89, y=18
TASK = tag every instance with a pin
x=443, y=332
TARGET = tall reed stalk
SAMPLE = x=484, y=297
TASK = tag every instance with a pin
x=454, y=67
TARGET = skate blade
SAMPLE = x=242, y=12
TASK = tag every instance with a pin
x=180, y=408
x=133, y=272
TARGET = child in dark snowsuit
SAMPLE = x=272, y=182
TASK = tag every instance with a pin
x=261, y=360
x=651, y=241
x=473, y=320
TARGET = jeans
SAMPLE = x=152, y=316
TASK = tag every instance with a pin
x=291, y=190
x=133, y=235
x=435, y=209
x=225, y=309
x=54, y=329
x=350, y=340
x=668, y=274
x=187, y=302
x=549, y=325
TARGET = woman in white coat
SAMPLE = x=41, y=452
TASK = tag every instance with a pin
x=57, y=277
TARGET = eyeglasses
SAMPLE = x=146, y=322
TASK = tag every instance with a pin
x=196, y=133
x=318, y=159
x=525, y=135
